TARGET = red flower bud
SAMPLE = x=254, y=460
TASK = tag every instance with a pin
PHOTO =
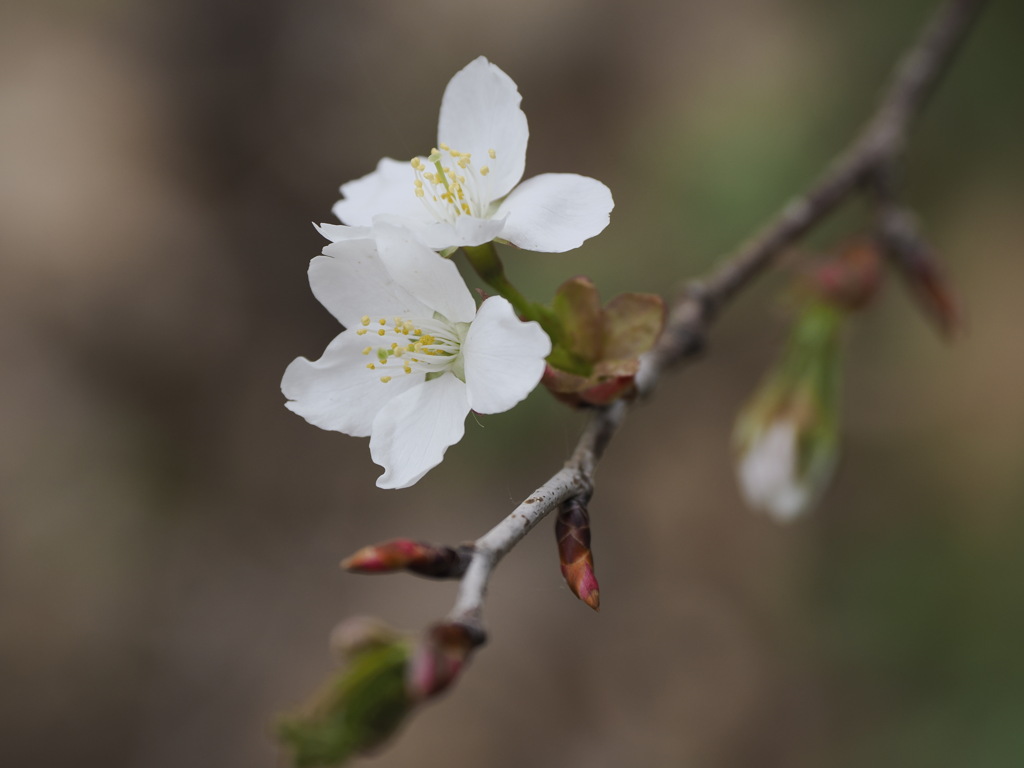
x=572, y=531
x=851, y=279
x=920, y=269
x=437, y=562
x=928, y=284
x=439, y=657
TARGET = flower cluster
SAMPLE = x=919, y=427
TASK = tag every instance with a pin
x=417, y=353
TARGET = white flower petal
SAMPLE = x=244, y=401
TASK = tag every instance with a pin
x=338, y=232
x=473, y=231
x=504, y=357
x=433, y=280
x=767, y=473
x=351, y=280
x=389, y=189
x=412, y=433
x=480, y=112
x=439, y=235
x=338, y=392
x=555, y=212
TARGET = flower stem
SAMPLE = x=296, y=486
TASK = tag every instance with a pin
x=484, y=260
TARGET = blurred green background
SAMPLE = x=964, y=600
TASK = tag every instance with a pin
x=169, y=532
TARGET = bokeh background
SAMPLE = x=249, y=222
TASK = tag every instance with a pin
x=169, y=533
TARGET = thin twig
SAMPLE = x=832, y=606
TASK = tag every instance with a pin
x=871, y=156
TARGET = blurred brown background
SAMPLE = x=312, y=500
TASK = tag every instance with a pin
x=169, y=533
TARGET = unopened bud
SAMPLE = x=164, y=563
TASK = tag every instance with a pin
x=439, y=657
x=851, y=279
x=357, y=633
x=572, y=531
x=359, y=707
x=438, y=562
x=788, y=434
x=929, y=286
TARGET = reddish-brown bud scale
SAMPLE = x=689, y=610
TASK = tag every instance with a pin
x=851, y=279
x=572, y=531
x=439, y=657
x=929, y=286
x=916, y=262
x=437, y=562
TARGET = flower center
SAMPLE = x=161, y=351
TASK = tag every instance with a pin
x=429, y=346
x=451, y=185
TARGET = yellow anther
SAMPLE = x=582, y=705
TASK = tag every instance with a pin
x=367, y=350
x=371, y=366
x=491, y=154
x=360, y=331
x=445, y=147
x=365, y=320
x=407, y=369
x=383, y=321
x=484, y=170
x=385, y=379
x=381, y=332
x=419, y=193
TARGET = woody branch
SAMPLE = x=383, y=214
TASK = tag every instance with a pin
x=867, y=165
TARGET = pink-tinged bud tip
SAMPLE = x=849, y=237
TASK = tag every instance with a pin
x=385, y=557
x=572, y=531
x=583, y=583
x=851, y=279
x=439, y=657
x=930, y=287
x=407, y=555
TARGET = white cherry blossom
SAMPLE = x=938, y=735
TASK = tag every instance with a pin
x=416, y=354
x=464, y=191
